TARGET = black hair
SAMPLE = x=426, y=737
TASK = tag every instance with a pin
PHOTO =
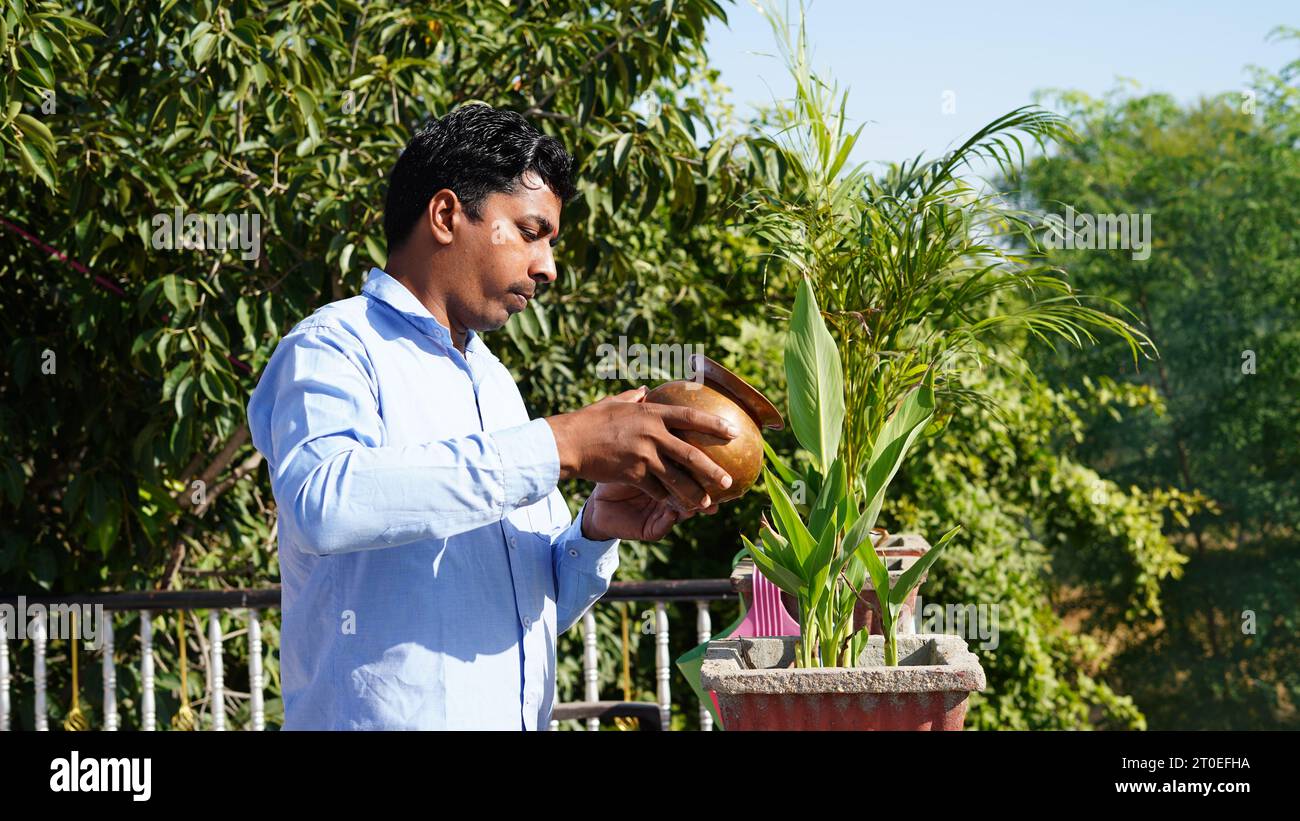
x=475, y=150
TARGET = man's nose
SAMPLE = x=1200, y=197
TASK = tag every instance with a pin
x=544, y=267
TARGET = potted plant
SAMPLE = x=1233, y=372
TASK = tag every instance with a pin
x=833, y=676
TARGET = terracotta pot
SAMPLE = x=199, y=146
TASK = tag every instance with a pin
x=718, y=391
x=758, y=687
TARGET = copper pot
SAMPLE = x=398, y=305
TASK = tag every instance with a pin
x=718, y=391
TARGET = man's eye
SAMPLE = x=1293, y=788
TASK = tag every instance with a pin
x=526, y=234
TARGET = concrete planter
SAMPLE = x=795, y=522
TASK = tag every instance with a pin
x=758, y=687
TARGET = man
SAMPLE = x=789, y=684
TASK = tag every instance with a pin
x=428, y=560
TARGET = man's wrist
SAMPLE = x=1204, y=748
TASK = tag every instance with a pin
x=563, y=444
x=587, y=530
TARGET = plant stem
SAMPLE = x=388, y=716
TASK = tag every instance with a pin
x=891, y=647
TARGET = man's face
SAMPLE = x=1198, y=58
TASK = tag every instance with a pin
x=505, y=255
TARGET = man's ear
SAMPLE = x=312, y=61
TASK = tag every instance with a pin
x=443, y=211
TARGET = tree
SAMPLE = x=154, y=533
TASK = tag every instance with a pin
x=1221, y=182
x=127, y=463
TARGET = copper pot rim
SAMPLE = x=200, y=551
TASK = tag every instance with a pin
x=758, y=405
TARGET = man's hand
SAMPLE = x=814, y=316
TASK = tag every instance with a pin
x=622, y=440
x=624, y=512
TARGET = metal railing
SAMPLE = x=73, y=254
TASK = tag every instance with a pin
x=590, y=711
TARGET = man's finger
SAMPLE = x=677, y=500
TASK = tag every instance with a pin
x=696, y=461
x=634, y=395
x=676, y=416
x=688, y=492
x=652, y=487
x=662, y=523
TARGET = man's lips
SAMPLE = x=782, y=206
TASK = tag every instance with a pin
x=522, y=298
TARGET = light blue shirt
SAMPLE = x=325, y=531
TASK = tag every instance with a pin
x=428, y=561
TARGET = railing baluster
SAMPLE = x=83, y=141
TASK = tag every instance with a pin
x=661, y=664
x=189, y=603
x=255, y=668
x=110, y=672
x=591, y=691
x=216, y=704
x=4, y=672
x=37, y=632
x=148, y=719
x=703, y=632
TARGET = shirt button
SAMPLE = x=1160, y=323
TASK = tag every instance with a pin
x=524, y=501
x=573, y=553
x=514, y=542
x=528, y=621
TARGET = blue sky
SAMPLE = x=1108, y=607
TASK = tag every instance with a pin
x=899, y=58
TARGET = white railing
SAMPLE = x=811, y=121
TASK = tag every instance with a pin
x=250, y=602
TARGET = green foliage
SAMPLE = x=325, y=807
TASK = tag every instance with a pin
x=917, y=271
x=1221, y=181
x=1070, y=560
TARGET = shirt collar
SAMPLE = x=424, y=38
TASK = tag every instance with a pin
x=382, y=287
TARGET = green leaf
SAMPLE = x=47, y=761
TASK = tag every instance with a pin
x=173, y=379
x=815, y=379
x=778, y=547
x=820, y=561
x=783, y=469
x=210, y=390
x=790, y=525
x=35, y=164
x=829, y=499
x=78, y=23
x=183, y=392
x=857, y=535
x=35, y=130
x=175, y=293
x=164, y=339
x=219, y=190
x=345, y=257
x=621, y=150
x=772, y=571
x=879, y=574
x=377, y=255
x=244, y=315
x=895, y=439
x=202, y=48
x=306, y=102
x=912, y=576
x=215, y=332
